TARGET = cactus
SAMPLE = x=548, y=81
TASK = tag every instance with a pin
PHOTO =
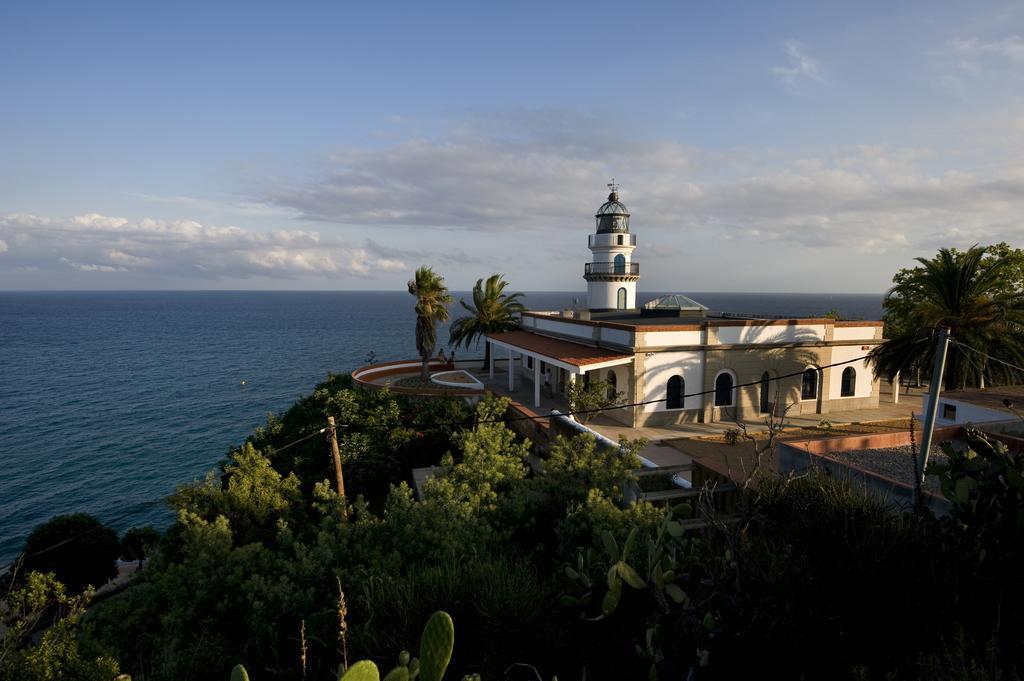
x=239, y=673
x=398, y=674
x=364, y=670
x=407, y=668
x=436, y=646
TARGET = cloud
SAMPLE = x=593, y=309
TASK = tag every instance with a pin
x=3, y=246
x=972, y=67
x=90, y=267
x=523, y=177
x=801, y=68
x=94, y=243
x=1009, y=49
x=508, y=191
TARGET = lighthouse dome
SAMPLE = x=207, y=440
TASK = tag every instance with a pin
x=612, y=216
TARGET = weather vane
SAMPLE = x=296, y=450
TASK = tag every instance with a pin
x=613, y=186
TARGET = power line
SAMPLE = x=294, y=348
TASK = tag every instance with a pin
x=986, y=355
x=509, y=419
x=712, y=391
x=144, y=504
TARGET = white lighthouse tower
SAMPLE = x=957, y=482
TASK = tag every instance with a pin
x=611, y=274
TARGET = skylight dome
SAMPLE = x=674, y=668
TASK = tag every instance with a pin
x=675, y=301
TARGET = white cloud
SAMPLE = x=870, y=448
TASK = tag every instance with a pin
x=801, y=67
x=3, y=246
x=90, y=267
x=971, y=68
x=95, y=243
x=1009, y=49
x=98, y=221
x=868, y=198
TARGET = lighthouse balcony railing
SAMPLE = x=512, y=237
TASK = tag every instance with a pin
x=611, y=268
x=611, y=239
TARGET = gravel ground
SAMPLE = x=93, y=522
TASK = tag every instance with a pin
x=892, y=462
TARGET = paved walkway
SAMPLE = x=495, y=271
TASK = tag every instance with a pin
x=884, y=412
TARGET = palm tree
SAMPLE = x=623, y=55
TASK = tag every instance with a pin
x=966, y=292
x=432, y=301
x=493, y=311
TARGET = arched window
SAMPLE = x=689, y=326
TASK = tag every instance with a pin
x=809, y=384
x=675, y=393
x=613, y=383
x=849, y=384
x=620, y=301
x=723, y=390
x=620, y=264
x=766, y=386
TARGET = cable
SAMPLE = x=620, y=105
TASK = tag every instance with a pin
x=434, y=426
x=295, y=442
x=144, y=504
x=987, y=356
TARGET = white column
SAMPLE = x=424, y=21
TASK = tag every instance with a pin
x=536, y=382
x=511, y=376
x=896, y=388
x=572, y=380
x=491, y=346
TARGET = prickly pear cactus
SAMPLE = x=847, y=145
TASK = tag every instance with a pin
x=407, y=668
x=239, y=673
x=436, y=646
x=364, y=670
x=398, y=674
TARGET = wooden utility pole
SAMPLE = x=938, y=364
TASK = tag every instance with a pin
x=336, y=454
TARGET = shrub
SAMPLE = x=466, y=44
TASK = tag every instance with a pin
x=79, y=549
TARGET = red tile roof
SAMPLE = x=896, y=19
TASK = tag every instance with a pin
x=576, y=354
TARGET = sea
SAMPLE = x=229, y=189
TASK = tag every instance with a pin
x=110, y=400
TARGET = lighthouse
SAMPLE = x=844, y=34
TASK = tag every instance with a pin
x=611, y=273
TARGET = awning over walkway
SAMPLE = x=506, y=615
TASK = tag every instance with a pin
x=574, y=357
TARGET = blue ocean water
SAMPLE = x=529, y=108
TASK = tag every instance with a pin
x=110, y=400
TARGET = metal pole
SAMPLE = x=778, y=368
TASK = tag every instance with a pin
x=941, y=345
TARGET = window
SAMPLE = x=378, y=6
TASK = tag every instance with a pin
x=948, y=411
x=766, y=384
x=620, y=239
x=723, y=390
x=620, y=299
x=529, y=362
x=620, y=264
x=849, y=384
x=675, y=393
x=809, y=384
x=613, y=382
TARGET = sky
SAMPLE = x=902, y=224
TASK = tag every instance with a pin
x=805, y=147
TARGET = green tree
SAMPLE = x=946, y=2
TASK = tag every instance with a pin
x=79, y=549
x=977, y=295
x=432, y=301
x=253, y=496
x=591, y=398
x=493, y=311
x=40, y=601
x=138, y=542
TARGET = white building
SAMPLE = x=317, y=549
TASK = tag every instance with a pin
x=978, y=405
x=684, y=362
